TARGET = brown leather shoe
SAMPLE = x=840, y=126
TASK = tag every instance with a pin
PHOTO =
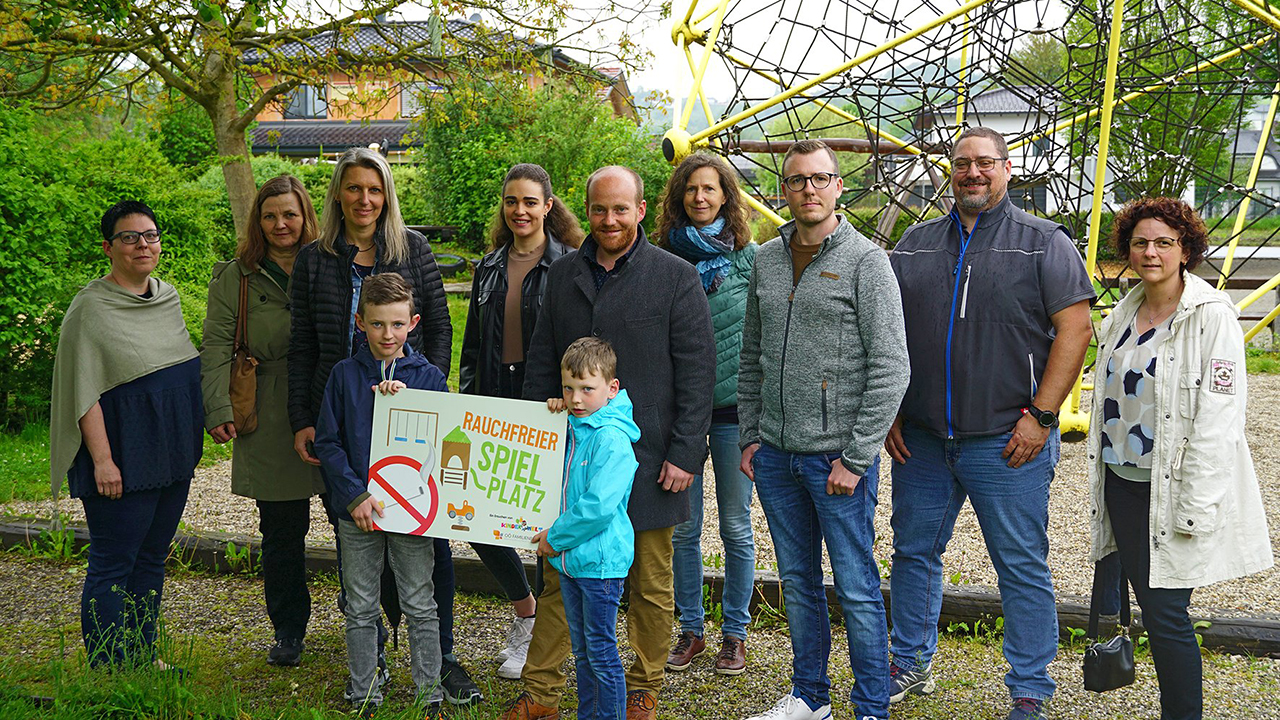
x=732, y=658
x=688, y=646
x=526, y=708
x=642, y=705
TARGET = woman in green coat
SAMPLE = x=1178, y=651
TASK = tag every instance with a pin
x=264, y=465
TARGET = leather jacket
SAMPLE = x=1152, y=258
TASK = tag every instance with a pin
x=482, y=339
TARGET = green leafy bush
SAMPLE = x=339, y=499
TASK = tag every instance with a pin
x=56, y=186
x=471, y=136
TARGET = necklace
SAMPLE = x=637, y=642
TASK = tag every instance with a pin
x=1152, y=314
x=363, y=250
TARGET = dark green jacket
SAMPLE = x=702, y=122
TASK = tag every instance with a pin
x=264, y=465
x=728, y=307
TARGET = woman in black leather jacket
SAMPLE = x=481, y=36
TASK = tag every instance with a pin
x=530, y=230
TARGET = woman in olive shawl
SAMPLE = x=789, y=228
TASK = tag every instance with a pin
x=126, y=432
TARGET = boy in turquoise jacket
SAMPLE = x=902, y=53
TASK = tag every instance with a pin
x=592, y=543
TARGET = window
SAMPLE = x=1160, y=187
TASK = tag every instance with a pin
x=411, y=97
x=306, y=103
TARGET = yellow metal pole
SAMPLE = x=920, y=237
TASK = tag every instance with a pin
x=964, y=67
x=1252, y=185
x=907, y=146
x=1148, y=89
x=1266, y=15
x=1270, y=318
x=761, y=208
x=792, y=92
x=1253, y=297
x=708, y=49
x=1074, y=420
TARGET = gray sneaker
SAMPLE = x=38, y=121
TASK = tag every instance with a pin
x=916, y=682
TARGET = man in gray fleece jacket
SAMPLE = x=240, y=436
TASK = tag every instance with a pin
x=824, y=368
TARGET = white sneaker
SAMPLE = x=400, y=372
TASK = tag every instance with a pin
x=519, y=632
x=790, y=707
x=517, y=649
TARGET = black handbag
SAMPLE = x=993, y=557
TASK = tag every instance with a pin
x=1108, y=665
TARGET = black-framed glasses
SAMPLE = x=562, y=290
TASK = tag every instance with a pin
x=796, y=183
x=1161, y=244
x=129, y=237
x=984, y=163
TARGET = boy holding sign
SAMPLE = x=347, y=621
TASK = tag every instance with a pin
x=592, y=543
x=385, y=314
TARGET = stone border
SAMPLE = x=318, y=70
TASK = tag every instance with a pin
x=1258, y=636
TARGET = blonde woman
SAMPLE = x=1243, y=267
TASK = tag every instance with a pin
x=362, y=233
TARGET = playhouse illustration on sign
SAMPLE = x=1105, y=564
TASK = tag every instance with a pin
x=466, y=467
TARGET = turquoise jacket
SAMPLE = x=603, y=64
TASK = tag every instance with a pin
x=593, y=533
x=728, y=307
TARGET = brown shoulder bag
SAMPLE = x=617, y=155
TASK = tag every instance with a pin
x=244, y=370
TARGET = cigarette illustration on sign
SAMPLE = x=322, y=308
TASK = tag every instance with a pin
x=465, y=467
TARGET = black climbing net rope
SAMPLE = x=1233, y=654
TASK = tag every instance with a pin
x=1196, y=78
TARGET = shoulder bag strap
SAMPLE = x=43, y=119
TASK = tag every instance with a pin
x=242, y=317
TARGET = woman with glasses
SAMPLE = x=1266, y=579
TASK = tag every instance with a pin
x=362, y=233
x=704, y=221
x=530, y=229
x=264, y=465
x=126, y=430
x=1172, y=482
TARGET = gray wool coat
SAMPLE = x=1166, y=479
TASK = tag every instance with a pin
x=654, y=312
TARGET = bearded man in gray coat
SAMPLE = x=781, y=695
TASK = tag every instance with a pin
x=651, y=307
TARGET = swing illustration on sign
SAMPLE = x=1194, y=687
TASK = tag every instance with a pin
x=466, y=467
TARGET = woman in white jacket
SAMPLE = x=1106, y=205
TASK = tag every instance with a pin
x=1173, y=486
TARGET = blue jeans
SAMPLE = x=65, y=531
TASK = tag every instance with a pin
x=591, y=609
x=1012, y=505
x=733, y=496
x=793, y=492
x=128, y=543
x=412, y=562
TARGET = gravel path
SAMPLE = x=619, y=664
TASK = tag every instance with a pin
x=222, y=619
x=212, y=507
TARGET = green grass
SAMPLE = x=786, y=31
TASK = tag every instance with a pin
x=24, y=462
x=1259, y=361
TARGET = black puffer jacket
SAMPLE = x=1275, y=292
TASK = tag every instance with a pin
x=482, y=340
x=321, y=323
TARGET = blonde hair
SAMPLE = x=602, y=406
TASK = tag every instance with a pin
x=394, y=233
x=588, y=355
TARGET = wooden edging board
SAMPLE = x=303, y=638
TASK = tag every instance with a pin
x=1258, y=636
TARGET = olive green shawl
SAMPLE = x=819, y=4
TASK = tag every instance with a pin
x=109, y=337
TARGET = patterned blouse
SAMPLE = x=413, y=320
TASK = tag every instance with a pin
x=1129, y=408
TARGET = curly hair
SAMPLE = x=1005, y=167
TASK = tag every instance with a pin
x=1173, y=212
x=672, y=200
x=560, y=222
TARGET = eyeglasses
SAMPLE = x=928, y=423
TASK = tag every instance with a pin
x=984, y=163
x=796, y=183
x=1162, y=244
x=129, y=237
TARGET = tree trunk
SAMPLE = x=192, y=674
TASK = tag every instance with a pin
x=233, y=150
x=229, y=136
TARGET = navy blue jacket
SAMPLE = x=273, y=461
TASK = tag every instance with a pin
x=346, y=420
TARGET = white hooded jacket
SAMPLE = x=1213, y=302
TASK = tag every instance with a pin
x=1206, y=515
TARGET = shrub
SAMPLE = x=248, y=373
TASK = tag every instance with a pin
x=472, y=135
x=56, y=185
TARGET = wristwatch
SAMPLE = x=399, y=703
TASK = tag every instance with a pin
x=1046, y=418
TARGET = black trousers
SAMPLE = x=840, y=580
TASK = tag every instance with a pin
x=1171, y=637
x=284, y=526
x=503, y=562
